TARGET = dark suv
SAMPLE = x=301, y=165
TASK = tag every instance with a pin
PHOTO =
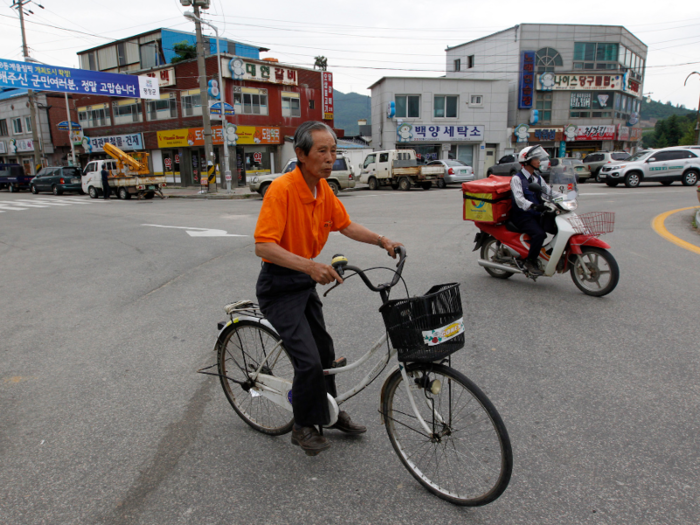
x=57, y=180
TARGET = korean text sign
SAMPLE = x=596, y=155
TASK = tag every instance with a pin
x=527, y=80
x=327, y=95
x=41, y=77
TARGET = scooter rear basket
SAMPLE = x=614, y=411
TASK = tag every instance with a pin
x=428, y=327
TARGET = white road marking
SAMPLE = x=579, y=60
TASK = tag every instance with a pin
x=12, y=208
x=199, y=232
x=23, y=203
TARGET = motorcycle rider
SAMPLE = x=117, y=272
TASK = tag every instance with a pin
x=527, y=212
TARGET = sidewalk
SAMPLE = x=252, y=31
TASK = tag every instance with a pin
x=193, y=192
x=241, y=192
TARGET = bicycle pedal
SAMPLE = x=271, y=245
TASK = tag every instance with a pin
x=340, y=362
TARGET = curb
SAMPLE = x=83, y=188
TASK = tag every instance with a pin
x=697, y=220
x=215, y=197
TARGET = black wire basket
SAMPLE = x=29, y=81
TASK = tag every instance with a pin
x=428, y=327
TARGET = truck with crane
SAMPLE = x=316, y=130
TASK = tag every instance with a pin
x=128, y=175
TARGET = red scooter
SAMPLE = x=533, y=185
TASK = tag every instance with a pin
x=575, y=247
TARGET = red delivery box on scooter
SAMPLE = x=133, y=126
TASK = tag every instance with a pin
x=487, y=200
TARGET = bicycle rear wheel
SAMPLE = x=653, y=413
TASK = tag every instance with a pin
x=467, y=458
x=242, y=348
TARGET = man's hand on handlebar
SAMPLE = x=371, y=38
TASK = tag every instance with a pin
x=324, y=273
x=390, y=246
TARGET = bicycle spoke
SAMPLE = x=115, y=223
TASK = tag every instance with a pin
x=463, y=460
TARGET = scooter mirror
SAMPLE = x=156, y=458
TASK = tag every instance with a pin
x=535, y=187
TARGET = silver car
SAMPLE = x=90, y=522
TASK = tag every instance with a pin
x=455, y=172
x=665, y=165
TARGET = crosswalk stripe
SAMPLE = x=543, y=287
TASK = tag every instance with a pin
x=12, y=208
x=51, y=202
x=23, y=203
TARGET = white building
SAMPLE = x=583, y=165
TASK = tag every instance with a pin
x=585, y=81
x=442, y=118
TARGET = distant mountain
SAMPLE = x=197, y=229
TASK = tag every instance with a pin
x=659, y=110
x=348, y=109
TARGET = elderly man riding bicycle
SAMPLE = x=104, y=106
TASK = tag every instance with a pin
x=298, y=213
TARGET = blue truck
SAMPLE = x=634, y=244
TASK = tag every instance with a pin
x=12, y=177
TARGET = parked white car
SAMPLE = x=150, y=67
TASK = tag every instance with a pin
x=341, y=177
x=665, y=165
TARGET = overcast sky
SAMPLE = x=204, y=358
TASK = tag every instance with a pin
x=363, y=39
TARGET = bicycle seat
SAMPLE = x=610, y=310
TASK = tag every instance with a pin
x=511, y=227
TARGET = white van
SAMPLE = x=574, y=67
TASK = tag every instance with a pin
x=92, y=178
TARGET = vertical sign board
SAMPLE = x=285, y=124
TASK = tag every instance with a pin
x=327, y=95
x=527, y=80
x=40, y=77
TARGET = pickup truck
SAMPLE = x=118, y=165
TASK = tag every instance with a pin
x=399, y=169
x=341, y=177
x=13, y=178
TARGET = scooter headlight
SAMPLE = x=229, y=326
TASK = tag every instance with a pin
x=569, y=205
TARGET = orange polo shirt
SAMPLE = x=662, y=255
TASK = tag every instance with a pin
x=292, y=218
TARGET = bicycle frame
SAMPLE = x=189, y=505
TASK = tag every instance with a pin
x=278, y=390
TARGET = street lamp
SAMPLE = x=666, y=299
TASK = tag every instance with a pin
x=227, y=172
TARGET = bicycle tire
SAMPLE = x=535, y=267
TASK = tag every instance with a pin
x=446, y=465
x=242, y=347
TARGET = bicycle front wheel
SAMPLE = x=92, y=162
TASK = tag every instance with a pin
x=466, y=458
x=243, y=347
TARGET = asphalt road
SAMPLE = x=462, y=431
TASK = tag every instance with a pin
x=106, y=316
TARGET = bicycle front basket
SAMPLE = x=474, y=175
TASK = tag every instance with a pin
x=428, y=327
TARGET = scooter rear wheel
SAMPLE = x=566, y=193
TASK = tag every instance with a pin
x=490, y=251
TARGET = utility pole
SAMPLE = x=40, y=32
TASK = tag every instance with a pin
x=38, y=146
x=201, y=65
x=697, y=124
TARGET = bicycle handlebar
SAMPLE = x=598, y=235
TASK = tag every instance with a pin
x=340, y=264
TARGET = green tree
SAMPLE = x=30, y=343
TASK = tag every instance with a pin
x=661, y=141
x=183, y=51
x=321, y=62
x=673, y=130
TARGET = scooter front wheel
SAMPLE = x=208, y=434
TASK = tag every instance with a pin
x=491, y=250
x=601, y=267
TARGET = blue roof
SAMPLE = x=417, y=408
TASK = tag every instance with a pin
x=7, y=93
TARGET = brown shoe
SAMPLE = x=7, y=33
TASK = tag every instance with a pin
x=345, y=424
x=309, y=440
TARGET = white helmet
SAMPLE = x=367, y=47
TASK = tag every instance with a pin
x=532, y=152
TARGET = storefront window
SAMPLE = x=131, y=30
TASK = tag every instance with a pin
x=464, y=154
x=257, y=160
x=425, y=152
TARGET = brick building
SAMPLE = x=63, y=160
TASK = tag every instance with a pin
x=269, y=100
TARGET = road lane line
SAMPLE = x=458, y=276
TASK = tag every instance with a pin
x=23, y=203
x=660, y=228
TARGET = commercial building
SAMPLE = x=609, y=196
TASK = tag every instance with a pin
x=16, y=138
x=441, y=118
x=572, y=88
x=265, y=101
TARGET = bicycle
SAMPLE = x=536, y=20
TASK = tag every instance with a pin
x=445, y=430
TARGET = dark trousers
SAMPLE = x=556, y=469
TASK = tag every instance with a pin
x=537, y=227
x=106, y=190
x=289, y=301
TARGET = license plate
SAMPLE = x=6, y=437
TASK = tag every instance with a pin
x=75, y=180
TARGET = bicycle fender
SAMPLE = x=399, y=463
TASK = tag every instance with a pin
x=387, y=377
x=237, y=319
x=577, y=241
